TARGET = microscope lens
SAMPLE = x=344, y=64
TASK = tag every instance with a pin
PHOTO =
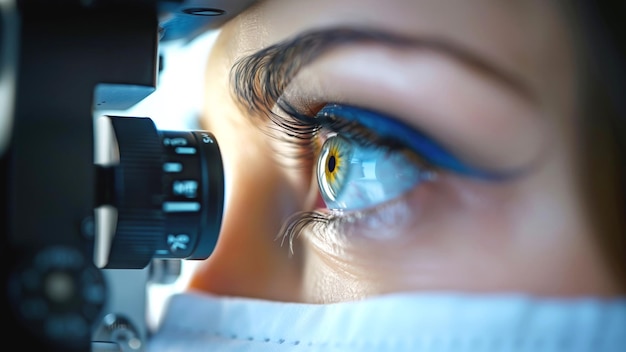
x=166, y=189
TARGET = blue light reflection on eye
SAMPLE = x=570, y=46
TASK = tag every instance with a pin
x=386, y=127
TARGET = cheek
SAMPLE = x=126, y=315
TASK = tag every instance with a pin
x=248, y=259
x=429, y=240
x=454, y=236
x=481, y=238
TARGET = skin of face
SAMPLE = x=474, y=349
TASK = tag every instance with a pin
x=528, y=235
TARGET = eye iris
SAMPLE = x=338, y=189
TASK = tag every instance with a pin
x=334, y=161
x=333, y=167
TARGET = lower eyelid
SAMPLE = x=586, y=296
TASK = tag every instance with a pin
x=409, y=215
x=384, y=221
x=341, y=232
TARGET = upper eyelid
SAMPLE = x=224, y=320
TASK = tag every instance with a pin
x=258, y=80
x=395, y=135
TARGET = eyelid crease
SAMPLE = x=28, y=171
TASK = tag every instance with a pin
x=258, y=80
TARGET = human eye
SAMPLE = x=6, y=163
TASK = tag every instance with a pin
x=364, y=159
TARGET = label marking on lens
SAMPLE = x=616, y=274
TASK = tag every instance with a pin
x=178, y=207
x=185, y=150
x=178, y=242
x=206, y=138
x=174, y=141
x=172, y=167
x=186, y=188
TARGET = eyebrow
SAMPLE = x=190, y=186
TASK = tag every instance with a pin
x=258, y=80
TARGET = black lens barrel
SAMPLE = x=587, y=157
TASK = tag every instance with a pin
x=168, y=190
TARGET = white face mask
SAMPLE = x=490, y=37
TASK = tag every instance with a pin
x=398, y=322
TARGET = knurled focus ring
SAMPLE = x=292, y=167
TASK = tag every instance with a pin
x=138, y=192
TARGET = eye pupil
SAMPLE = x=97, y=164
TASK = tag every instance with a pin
x=331, y=163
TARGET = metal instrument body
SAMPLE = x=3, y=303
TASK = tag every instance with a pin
x=59, y=61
